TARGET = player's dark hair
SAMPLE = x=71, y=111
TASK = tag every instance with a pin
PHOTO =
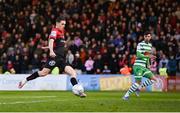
x=60, y=18
x=147, y=32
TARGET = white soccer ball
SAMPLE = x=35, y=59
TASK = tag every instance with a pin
x=77, y=89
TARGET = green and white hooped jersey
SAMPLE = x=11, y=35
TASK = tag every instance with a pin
x=142, y=60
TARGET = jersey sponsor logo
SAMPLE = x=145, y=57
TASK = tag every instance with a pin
x=52, y=63
x=139, y=74
x=53, y=33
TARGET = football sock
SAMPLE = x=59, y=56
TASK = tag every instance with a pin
x=33, y=76
x=73, y=81
x=146, y=83
x=132, y=89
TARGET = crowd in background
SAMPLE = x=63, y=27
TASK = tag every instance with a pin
x=102, y=35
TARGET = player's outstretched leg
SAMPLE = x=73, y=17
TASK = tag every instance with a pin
x=132, y=89
x=70, y=71
x=148, y=82
x=79, y=89
x=33, y=76
x=151, y=79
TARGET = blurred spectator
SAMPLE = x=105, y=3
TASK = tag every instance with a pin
x=77, y=64
x=172, y=66
x=17, y=64
x=55, y=71
x=163, y=70
x=83, y=55
x=77, y=41
x=98, y=63
x=35, y=63
x=10, y=67
x=98, y=71
x=95, y=27
x=105, y=56
x=163, y=60
x=153, y=66
x=7, y=73
x=89, y=65
x=125, y=70
x=123, y=61
x=69, y=57
x=106, y=70
x=43, y=59
x=132, y=59
x=113, y=64
x=178, y=60
x=24, y=65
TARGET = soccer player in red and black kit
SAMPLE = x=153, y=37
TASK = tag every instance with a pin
x=57, y=57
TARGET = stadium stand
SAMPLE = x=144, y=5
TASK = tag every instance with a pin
x=100, y=29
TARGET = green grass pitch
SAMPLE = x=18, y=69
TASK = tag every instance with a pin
x=59, y=101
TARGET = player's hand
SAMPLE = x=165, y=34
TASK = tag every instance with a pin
x=147, y=54
x=45, y=47
x=52, y=54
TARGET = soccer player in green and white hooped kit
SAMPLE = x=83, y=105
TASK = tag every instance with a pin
x=141, y=66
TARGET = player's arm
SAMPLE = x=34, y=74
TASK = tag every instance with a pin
x=67, y=42
x=148, y=63
x=153, y=56
x=51, y=42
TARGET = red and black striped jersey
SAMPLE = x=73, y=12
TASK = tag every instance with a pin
x=56, y=33
x=58, y=36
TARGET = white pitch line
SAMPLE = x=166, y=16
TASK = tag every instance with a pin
x=60, y=100
x=28, y=97
x=27, y=102
x=36, y=101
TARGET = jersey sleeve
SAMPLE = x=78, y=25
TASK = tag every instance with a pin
x=53, y=34
x=139, y=48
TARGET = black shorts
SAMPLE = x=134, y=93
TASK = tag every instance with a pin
x=56, y=62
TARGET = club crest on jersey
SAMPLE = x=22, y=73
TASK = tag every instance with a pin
x=53, y=33
x=52, y=63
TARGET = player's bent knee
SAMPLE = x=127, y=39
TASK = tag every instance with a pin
x=43, y=73
x=69, y=70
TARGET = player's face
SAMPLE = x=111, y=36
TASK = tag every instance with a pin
x=147, y=37
x=61, y=24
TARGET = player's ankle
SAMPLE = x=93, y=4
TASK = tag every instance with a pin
x=126, y=95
